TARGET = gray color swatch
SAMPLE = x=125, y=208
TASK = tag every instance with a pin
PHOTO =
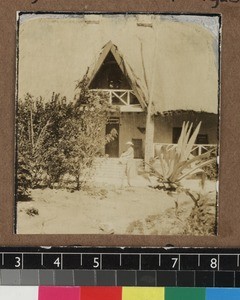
x=166, y=278
x=46, y=277
x=84, y=278
x=146, y=278
x=185, y=278
x=10, y=277
x=29, y=277
x=106, y=278
x=64, y=277
x=126, y=278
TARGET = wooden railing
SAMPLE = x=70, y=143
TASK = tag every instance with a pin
x=197, y=149
x=119, y=97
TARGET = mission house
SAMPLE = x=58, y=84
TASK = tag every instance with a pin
x=139, y=118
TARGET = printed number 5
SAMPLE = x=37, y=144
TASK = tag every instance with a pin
x=18, y=262
x=175, y=260
x=96, y=262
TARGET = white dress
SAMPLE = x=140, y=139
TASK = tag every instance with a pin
x=127, y=158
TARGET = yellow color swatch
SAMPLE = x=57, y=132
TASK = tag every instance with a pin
x=142, y=293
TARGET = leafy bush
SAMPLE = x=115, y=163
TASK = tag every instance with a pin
x=32, y=212
x=175, y=163
x=55, y=138
x=24, y=178
x=202, y=219
x=211, y=170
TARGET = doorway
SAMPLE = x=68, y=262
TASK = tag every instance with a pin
x=138, y=148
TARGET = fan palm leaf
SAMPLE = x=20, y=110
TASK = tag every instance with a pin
x=175, y=163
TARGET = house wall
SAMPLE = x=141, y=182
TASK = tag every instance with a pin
x=164, y=125
x=129, y=123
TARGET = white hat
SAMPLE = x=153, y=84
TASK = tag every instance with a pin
x=130, y=143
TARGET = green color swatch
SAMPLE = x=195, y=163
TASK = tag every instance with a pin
x=185, y=293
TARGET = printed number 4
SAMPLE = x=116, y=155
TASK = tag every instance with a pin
x=57, y=262
x=175, y=260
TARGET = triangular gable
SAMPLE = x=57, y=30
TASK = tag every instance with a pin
x=127, y=71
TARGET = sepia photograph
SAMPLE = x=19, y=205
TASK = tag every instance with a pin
x=117, y=124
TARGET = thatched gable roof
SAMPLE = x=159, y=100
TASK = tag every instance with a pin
x=179, y=58
x=126, y=69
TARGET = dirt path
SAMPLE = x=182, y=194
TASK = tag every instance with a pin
x=135, y=210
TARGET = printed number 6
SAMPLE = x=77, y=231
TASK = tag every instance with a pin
x=213, y=263
x=96, y=262
x=18, y=262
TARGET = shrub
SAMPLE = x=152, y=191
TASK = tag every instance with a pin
x=55, y=138
x=175, y=163
x=24, y=178
x=202, y=219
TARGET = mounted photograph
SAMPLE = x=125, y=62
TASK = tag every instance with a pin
x=117, y=124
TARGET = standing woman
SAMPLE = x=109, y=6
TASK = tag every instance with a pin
x=127, y=158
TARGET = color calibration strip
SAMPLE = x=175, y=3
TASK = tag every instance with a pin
x=143, y=267
x=119, y=278
x=116, y=293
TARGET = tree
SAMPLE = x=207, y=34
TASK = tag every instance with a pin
x=84, y=135
x=24, y=140
x=57, y=137
x=38, y=124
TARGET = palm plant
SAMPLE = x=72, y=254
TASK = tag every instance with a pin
x=175, y=163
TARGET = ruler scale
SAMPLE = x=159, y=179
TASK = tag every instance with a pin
x=179, y=267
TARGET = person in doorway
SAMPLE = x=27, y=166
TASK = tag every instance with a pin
x=127, y=159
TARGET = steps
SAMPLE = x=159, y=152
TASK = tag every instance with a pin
x=109, y=170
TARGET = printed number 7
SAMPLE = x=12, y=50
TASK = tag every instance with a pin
x=175, y=260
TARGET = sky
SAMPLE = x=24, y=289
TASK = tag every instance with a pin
x=180, y=54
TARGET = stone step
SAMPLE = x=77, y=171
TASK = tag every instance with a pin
x=111, y=169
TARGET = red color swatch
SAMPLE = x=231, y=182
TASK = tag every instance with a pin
x=101, y=293
x=59, y=293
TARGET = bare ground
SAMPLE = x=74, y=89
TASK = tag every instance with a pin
x=110, y=210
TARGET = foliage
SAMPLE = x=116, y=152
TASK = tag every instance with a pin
x=201, y=220
x=211, y=170
x=38, y=134
x=24, y=174
x=83, y=135
x=32, y=212
x=175, y=163
x=55, y=138
x=24, y=178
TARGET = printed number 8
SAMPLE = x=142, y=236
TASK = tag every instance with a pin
x=213, y=263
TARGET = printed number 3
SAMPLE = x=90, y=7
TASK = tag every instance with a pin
x=96, y=262
x=18, y=262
